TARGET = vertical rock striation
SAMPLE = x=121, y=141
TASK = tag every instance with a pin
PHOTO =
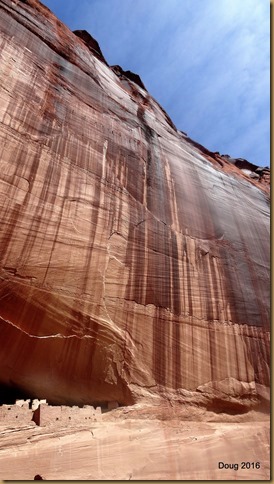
x=134, y=262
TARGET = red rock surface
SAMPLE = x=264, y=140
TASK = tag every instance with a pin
x=134, y=262
x=134, y=449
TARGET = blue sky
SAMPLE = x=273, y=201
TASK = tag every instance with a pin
x=207, y=62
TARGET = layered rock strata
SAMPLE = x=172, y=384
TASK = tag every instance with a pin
x=134, y=262
x=135, y=449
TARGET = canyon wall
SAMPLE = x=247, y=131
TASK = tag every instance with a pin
x=134, y=262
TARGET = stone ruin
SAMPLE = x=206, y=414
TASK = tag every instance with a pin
x=45, y=415
x=20, y=414
x=39, y=412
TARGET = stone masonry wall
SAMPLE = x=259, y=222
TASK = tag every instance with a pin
x=43, y=414
x=15, y=415
x=46, y=415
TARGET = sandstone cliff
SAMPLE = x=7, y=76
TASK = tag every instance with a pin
x=134, y=262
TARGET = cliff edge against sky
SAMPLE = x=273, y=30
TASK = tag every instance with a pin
x=134, y=262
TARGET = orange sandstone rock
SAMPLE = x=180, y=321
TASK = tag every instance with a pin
x=137, y=450
x=134, y=263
